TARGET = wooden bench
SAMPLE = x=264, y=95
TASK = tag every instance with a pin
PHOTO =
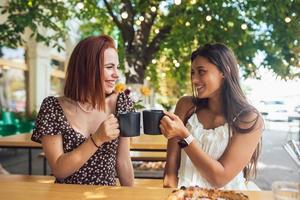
x=140, y=156
x=135, y=156
x=50, y=179
x=148, y=156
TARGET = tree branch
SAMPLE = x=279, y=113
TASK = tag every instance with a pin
x=115, y=19
x=129, y=22
x=154, y=45
x=146, y=27
x=130, y=10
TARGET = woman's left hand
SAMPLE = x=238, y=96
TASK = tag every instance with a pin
x=171, y=126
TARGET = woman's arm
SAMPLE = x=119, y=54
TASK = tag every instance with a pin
x=173, y=150
x=124, y=164
x=172, y=164
x=236, y=156
x=64, y=164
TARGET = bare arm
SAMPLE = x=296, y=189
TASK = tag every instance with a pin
x=172, y=164
x=124, y=165
x=173, y=151
x=64, y=164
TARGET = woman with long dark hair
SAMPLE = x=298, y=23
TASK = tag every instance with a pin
x=79, y=131
x=214, y=136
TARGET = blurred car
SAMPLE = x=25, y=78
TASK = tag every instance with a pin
x=275, y=110
x=297, y=109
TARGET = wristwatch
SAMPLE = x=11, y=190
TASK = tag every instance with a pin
x=186, y=141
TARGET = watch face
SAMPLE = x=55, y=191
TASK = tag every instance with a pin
x=182, y=143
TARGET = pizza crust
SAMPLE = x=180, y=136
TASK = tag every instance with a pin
x=197, y=193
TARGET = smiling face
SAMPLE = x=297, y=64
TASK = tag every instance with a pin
x=111, y=70
x=206, y=78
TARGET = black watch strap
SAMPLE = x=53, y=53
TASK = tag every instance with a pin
x=186, y=141
x=182, y=143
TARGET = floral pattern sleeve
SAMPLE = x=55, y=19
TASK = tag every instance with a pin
x=124, y=104
x=48, y=120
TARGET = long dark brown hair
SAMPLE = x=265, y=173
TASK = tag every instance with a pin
x=235, y=105
x=84, y=76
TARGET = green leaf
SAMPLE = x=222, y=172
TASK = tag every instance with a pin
x=138, y=106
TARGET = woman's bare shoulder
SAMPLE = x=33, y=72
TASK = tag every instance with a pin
x=185, y=101
x=250, y=120
x=183, y=105
x=65, y=103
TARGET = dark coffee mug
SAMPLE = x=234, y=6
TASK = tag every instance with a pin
x=129, y=124
x=151, y=121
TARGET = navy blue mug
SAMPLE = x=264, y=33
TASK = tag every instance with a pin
x=129, y=124
x=151, y=121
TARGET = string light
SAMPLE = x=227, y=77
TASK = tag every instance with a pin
x=208, y=18
x=156, y=31
x=138, y=22
x=141, y=18
x=187, y=23
x=153, y=61
x=244, y=26
x=124, y=15
x=177, y=2
x=287, y=19
x=153, y=8
x=193, y=1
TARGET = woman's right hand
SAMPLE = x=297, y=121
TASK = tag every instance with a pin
x=171, y=126
x=109, y=129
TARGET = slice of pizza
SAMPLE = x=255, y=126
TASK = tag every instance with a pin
x=197, y=193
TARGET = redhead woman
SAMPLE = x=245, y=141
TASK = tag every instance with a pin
x=214, y=136
x=79, y=131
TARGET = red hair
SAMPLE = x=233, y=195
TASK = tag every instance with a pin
x=84, y=76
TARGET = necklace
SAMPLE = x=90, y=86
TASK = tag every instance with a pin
x=83, y=109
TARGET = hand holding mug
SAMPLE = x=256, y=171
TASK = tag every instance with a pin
x=109, y=129
x=171, y=126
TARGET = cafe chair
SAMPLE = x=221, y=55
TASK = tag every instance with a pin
x=25, y=127
x=9, y=118
x=8, y=129
x=292, y=147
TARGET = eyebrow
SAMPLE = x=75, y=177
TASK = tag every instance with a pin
x=107, y=64
x=199, y=67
